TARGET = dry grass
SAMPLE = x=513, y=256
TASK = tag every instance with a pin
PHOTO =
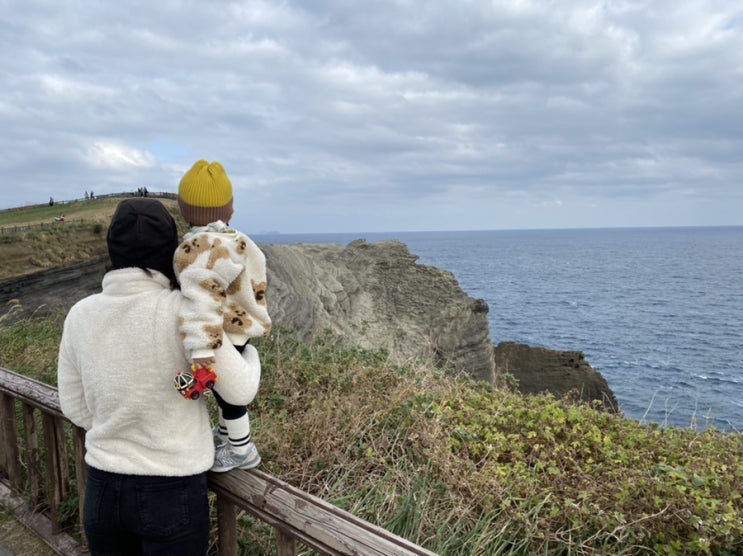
x=16, y=537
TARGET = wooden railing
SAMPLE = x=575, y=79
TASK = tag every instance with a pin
x=26, y=227
x=38, y=493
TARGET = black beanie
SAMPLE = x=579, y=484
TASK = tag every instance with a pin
x=142, y=234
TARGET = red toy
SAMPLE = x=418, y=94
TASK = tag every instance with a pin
x=192, y=384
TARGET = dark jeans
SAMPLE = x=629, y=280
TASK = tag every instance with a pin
x=136, y=514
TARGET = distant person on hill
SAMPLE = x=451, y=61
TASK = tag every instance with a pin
x=51, y=201
x=87, y=196
x=148, y=449
x=91, y=194
x=222, y=274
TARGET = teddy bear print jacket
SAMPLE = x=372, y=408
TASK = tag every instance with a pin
x=222, y=274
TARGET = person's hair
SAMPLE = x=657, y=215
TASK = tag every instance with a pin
x=174, y=284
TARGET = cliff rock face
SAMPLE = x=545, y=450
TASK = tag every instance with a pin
x=55, y=289
x=561, y=373
x=375, y=295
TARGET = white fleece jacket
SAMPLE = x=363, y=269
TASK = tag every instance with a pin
x=119, y=353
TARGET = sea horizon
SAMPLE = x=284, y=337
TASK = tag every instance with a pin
x=477, y=230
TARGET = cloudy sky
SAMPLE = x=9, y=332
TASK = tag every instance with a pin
x=342, y=116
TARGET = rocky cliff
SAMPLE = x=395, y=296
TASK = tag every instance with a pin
x=369, y=295
x=375, y=295
x=561, y=373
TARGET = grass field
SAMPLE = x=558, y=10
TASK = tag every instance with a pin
x=99, y=209
x=93, y=210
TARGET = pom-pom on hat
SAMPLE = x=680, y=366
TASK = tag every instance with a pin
x=142, y=234
x=205, y=194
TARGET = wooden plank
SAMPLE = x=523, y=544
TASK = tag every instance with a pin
x=5, y=435
x=54, y=494
x=9, y=426
x=311, y=520
x=81, y=472
x=30, y=391
x=60, y=443
x=285, y=544
x=226, y=527
x=33, y=454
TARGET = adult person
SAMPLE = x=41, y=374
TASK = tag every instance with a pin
x=147, y=447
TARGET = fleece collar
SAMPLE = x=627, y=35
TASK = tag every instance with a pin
x=128, y=281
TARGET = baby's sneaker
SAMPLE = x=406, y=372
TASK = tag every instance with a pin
x=227, y=458
x=219, y=439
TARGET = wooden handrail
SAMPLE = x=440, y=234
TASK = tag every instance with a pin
x=295, y=515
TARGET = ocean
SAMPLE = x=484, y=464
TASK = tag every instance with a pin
x=657, y=311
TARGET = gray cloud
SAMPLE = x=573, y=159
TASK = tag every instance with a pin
x=415, y=115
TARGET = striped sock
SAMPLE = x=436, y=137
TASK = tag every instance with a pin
x=222, y=428
x=239, y=433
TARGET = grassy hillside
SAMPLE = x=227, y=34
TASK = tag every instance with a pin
x=99, y=209
x=31, y=239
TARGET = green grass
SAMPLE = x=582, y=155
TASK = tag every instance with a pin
x=98, y=209
x=45, y=213
x=462, y=468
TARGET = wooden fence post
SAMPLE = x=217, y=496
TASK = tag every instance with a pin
x=56, y=466
x=226, y=527
x=9, y=442
x=33, y=455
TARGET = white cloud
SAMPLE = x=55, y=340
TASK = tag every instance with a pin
x=111, y=156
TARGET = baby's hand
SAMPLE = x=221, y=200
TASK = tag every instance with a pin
x=203, y=362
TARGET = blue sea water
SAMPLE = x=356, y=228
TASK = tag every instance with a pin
x=657, y=311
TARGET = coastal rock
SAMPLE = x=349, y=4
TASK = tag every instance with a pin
x=373, y=295
x=54, y=289
x=561, y=373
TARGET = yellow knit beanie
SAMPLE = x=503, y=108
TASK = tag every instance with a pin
x=205, y=194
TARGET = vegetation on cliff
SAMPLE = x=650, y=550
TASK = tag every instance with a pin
x=464, y=468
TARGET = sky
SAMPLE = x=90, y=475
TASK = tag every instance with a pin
x=408, y=115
